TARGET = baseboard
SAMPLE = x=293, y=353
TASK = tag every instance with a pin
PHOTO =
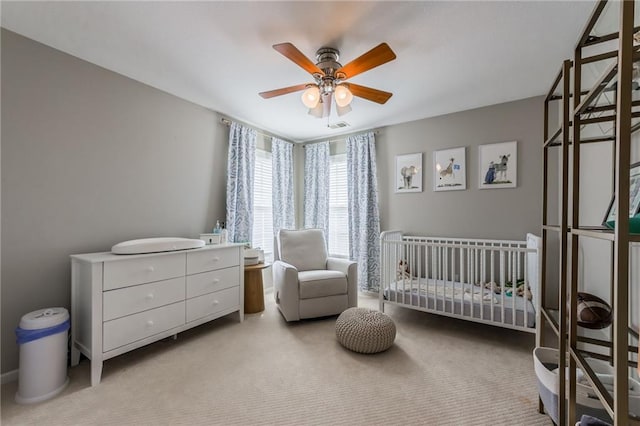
x=8, y=377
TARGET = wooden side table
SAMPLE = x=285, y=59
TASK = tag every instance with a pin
x=253, y=289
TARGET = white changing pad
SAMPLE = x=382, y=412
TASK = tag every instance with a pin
x=155, y=245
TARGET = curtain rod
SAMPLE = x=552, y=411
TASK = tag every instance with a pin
x=227, y=122
x=375, y=132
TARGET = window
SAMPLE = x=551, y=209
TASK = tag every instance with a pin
x=262, y=235
x=338, y=214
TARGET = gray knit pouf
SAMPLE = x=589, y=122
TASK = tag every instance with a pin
x=365, y=330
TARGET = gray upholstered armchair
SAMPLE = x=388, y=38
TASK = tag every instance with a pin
x=307, y=283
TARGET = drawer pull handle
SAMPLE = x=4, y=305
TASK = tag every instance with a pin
x=214, y=303
x=149, y=296
x=151, y=269
x=216, y=280
x=215, y=259
x=149, y=323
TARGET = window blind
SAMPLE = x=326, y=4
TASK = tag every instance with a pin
x=338, y=213
x=262, y=235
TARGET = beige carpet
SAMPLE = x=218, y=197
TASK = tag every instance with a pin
x=265, y=371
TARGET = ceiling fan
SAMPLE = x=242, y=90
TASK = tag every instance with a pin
x=330, y=76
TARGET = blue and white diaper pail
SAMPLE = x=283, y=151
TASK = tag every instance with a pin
x=42, y=337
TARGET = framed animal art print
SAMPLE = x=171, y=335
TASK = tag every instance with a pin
x=408, y=176
x=498, y=165
x=449, y=170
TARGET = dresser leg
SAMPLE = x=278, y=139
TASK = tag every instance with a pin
x=174, y=337
x=96, y=372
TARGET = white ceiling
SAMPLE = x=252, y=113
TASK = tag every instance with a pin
x=451, y=56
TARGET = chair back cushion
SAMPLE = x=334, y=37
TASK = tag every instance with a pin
x=305, y=248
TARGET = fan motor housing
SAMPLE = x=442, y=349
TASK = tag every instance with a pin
x=327, y=60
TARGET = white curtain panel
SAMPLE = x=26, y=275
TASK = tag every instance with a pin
x=364, y=216
x=282, y=172
x=240, y=172
x=316, y=186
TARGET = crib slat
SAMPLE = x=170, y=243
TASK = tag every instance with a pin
x=419, y=277
x=428, y=273
x=456, y=276
x=525, y=298
x=514, y=285
x=472, y=270
x=399, y=257
x=438, y=283
x=412, y=263
x=445, y=277
x=443, y=283
x=439, y=291
x=461, y=278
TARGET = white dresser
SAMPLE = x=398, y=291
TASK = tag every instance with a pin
x=122, y=302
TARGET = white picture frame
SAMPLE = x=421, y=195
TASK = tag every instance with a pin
x=498, y=165
x=408, y=173
x=449, y=169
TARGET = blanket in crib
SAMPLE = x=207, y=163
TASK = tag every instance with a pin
x=453, y=290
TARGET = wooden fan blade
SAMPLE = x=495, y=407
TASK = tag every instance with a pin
x=292, y=52
x=370, y=94
x=283, y=91
x=381, y=54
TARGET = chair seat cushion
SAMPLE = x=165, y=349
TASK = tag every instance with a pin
x=321, y=283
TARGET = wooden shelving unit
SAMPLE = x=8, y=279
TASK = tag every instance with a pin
x=555, y=229
x=563, y=233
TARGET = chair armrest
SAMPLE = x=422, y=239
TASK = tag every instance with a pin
x=285, y=289
x=338, y=264
x=284, y=265
x=350, y=269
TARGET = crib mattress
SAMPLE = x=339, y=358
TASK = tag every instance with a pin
x=462, y=299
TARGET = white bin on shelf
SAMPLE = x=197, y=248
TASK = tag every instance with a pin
x=42, y=337
x=545, y=362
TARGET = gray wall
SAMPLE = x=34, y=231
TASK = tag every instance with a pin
x=91, y=158
x=488, y=213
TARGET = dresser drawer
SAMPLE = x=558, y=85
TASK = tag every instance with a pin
x=209, y=304
x=208, y=282
x=209, y=260
x=143, y=270
x=125, y=330
x=130, y=300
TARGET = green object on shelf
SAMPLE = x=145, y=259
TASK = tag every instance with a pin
x=634, y=224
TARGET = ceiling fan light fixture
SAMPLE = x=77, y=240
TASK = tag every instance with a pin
x=343, y=96
x=317, y=111
x=342, y=110
x=329, y=75
x=311, y=97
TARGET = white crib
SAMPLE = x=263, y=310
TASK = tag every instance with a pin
x=489, y=281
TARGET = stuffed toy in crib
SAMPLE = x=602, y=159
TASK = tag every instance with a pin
x=402, y=272
x=508, y=291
